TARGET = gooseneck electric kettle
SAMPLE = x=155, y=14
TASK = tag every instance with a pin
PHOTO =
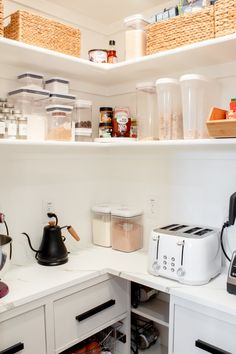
x=52, y=250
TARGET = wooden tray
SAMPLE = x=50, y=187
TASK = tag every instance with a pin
x=220, y=127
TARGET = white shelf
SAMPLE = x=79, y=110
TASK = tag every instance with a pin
x=155, y=310
x=155, y=349
x=211, y=52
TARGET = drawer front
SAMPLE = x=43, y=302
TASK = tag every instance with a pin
x=24, y=334
x=82, y=312
x=197, y=333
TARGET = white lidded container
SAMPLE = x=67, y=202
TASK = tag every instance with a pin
x=82, y=120
x=196, y=103
x=57, y=85
x=135, y=36
x=170, y=118
x=101, y=225
x=59, y=124
x=146, y=110
x=126, y=229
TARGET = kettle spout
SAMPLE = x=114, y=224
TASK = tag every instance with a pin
x=28, y=238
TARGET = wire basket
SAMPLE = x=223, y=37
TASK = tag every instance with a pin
x=180, y=30
x=225, y=17
x=1, y=18
x=43, y=32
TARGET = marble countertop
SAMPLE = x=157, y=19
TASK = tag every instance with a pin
x=33, y=281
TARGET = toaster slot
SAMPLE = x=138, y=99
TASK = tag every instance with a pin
x=157, y=250
x=192, y=230
x=179, y=227
x=202, y=232
x=168, y=227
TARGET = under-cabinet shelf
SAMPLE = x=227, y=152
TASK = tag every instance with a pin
x=155, y=310
x=155, y=349
x=190, y=57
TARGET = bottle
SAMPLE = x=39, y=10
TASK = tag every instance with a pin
x=111, y=54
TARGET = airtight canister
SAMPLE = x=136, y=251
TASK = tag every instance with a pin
x=101, y=225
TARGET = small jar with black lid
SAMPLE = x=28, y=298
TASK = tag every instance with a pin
x=105, y=124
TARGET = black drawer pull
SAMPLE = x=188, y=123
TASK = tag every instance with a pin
x=209, y=348
x=14, y=349
x=95, y=310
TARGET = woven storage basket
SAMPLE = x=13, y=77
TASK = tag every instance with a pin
x=225, y=17
x=1, y=18
x=180, y=30
x=43, y=32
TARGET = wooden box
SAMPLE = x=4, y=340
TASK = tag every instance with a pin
x=220, y=127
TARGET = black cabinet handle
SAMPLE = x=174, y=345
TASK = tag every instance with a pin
x=95, y=310
x=14, y=349
x=209, y=348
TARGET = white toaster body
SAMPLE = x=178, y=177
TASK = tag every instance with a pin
x=188, y=254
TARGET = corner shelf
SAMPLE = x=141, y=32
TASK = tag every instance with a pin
x=155, y=310
x=156, y=349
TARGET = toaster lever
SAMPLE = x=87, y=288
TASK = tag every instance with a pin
x=157, y=250
x=181, y=243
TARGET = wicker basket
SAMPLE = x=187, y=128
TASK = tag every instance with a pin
x=43, y=32
x=180, y=30
x=1, y=18
x=225, y=17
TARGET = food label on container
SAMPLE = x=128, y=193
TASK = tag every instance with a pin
x=2, y=127
x=105, y=132
x=121, y=123
x=98, y=56
x=106, y=117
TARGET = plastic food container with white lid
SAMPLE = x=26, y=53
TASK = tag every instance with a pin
x=126, y=229
x=59, y=125
x=57, y=85
x=135, y=36
x=57, y=98
x=82, y=118
x=196, y=103
x=101, y=224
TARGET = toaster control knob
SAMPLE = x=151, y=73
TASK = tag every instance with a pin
x=180, y=272
x=155, y=266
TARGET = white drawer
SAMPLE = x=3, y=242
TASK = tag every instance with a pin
x=25, y=333
x=82, y=312
x=195, y=333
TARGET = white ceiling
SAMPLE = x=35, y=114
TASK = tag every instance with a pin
x=107, y=11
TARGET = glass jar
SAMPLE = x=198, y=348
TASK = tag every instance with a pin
x=196, y=103
x=82, y=118
x=11, y=123
x=59, y=124
x=2, y=125
x=169, y=109
x=22, y=127
x=135, y=36
x=146, y=108
x=105, y=124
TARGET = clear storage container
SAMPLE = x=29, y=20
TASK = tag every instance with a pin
x=59, y=125
x=135, y=36
x=126, y=229
x=146, y=110
x=169, y=109
x=30, y=79
x=196, y=102
x=57, y=85
x=101, y=225
x=82, y=119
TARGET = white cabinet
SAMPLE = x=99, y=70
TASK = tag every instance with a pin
x=79, y=315
x=197, y=329
x=24, y=333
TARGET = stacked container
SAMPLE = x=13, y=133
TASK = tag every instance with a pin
x=146, y=111
x=101, y=225
x=169, y=109
x=59, y=125
x=196, y=102
x=126, y=229
x=82, y=119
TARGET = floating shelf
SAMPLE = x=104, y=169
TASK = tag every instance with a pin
x=211, y=52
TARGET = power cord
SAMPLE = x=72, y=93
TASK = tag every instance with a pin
x=225, y=225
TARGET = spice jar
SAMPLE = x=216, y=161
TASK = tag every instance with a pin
x=2, y=126
x=22, y=127
x=11, y=123
x=105, y=124
x=169, y=109
x=59, y=125
x=101, y=225
x=126, y=229
x=82, y=118
x=135, y=36
x=146, y=108
x=121, y=122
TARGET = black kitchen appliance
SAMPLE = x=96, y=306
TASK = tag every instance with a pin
x=52, y=251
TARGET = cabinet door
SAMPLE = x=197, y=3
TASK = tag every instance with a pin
x=197, y=333
x=24, y=334
x=78, y=314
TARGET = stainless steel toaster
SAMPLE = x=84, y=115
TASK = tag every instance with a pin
x=190, y=254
